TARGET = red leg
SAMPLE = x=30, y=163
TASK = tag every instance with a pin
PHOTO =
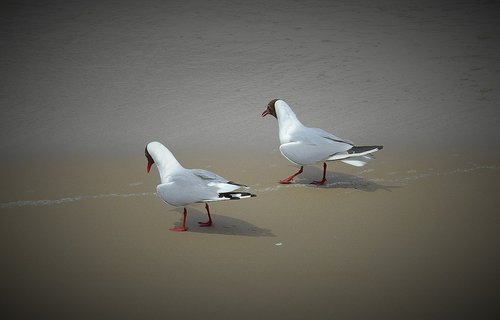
x=290, y=178
x=209, y=222
x=322, y=181
x=183, y=228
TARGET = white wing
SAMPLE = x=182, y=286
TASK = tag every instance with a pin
x=181, y=190
x=311, y=145
x=305, y=153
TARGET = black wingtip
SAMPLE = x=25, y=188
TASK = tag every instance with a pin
x=236, y=195
x=236, y=184
x=361, y=149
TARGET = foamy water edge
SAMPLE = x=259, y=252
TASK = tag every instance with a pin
x=414, y=175
x=35, y=203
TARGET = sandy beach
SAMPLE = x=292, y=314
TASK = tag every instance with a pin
x=412, y=235
x=412, y=239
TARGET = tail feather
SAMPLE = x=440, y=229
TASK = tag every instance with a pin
x=358, y=161
x=357, y=155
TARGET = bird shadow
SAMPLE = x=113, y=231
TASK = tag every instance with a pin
x=223, y=225
x=336, y=180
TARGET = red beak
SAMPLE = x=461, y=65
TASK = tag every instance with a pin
x=265, y=113
x=150, y=160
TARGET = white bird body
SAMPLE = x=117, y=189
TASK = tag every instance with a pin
x=306, y=146
x=180, y=186
x=188, y=186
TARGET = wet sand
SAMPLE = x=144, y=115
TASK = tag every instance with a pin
x=406, y=236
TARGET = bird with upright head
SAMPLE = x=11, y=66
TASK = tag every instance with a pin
x=303, y=146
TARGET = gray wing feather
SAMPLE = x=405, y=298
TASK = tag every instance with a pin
x=213, y=180
x=208, y=176
x=320, y=136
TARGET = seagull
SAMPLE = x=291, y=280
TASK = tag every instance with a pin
x=303, y=146
x=180, y=186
